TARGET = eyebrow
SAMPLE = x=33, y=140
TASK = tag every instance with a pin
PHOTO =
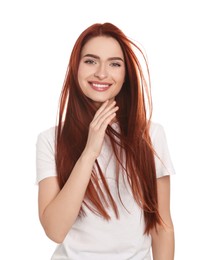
x=98, y=58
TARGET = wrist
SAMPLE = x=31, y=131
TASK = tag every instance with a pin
x=88, y=157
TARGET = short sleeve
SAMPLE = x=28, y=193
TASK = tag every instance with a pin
x=163, y=162
x=45, y=155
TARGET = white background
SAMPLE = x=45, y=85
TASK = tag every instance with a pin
x=36, y=38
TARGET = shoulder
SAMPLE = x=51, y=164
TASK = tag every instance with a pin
x=156, y=130
x=163, y=162
x=47, y=133
x=158, y=136
x=47, y=137
x=45, y=154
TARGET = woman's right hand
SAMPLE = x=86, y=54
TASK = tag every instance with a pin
x=104, y=115
x=55, y=214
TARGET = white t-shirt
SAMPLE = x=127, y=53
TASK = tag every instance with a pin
x=91, y=237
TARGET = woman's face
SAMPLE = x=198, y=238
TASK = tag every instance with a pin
x=101, y=71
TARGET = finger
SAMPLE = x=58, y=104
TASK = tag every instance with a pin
x=107, y=121
x=102, y=107
x=103, y=110
x=105, y=117
x=99, y=120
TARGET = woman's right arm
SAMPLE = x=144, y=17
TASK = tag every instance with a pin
x=58, y=209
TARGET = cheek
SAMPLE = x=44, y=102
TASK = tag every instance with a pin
x=80, y=71
x=81, y=75
x=121, y=78
x=84, y=72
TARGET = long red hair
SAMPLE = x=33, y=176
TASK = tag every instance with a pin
x=76, y=112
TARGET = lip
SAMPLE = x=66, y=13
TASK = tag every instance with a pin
x=100, y=86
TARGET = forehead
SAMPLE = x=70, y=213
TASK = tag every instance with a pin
x=103, y=46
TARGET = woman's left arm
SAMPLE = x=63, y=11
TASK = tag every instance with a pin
x=163, y=236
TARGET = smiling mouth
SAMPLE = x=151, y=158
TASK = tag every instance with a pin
x=99, y=86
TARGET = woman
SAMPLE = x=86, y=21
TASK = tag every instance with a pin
x=103, y=171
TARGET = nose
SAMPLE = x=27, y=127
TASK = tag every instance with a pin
x=101, y=72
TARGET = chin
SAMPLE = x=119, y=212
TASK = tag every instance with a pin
x=99, y=100
x=98, y=103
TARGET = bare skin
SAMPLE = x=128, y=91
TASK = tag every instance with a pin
x=163, y=239
x=55, y=214
x=57, y=217
x=102, y=66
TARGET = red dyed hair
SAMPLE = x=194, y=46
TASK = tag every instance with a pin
x=76, y=112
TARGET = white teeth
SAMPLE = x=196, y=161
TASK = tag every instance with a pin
x=100, y=85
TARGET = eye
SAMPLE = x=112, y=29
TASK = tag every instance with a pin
x=115, y=64
x=90, y=61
